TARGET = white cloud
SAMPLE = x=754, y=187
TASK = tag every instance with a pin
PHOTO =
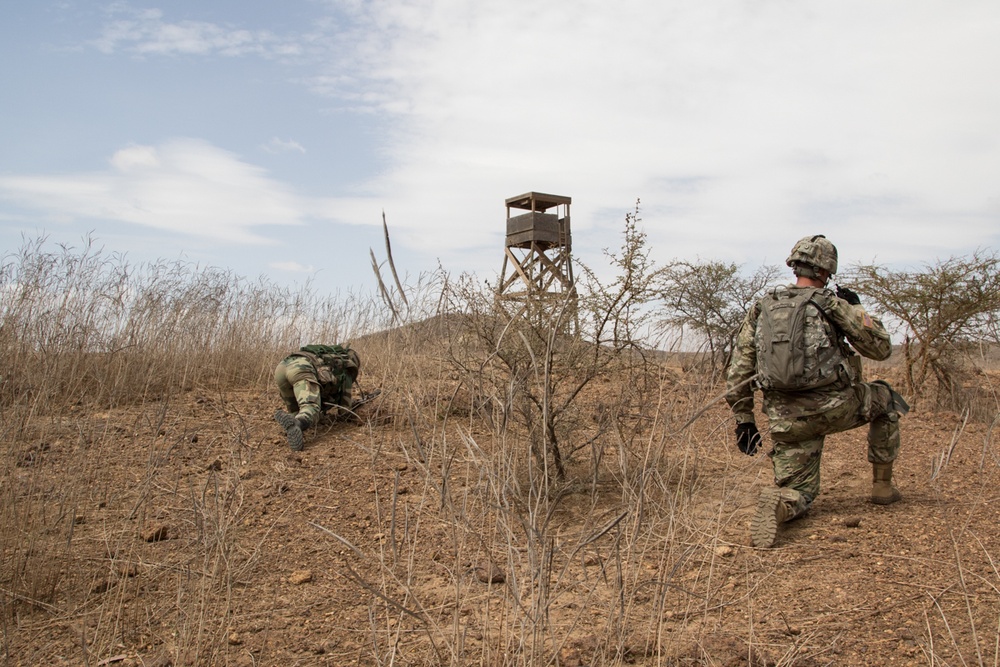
x=742, y=126
x=185, y=186
x=276, y=145
x=292, y=267
x=135, y=157
x=145, y=32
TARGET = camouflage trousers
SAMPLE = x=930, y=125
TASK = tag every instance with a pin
x=299, y=388
x=798, y=443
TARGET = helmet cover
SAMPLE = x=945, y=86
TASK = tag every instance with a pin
x=815, y=251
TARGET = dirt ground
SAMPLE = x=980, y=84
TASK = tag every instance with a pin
x=187, y=533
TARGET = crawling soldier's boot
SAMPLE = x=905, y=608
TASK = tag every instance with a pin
x=883, y=492
x=771, y=513
x=293, y=429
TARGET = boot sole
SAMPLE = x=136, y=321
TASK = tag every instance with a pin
x=882, y=500
x=292, y=430
x=764, y=527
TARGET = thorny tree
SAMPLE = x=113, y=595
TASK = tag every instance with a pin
x=709, y=299
x=941, y=310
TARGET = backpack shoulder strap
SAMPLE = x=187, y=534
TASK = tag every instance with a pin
x=820, y=298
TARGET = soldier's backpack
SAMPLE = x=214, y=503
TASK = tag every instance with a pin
x=337, y=368
x=795, y=352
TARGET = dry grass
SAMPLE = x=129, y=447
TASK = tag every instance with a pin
x=136, y=400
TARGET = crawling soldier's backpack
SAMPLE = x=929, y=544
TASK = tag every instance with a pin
x=795, y=351
x=337, y=368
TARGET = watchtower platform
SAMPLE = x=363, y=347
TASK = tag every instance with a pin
x=537, y=264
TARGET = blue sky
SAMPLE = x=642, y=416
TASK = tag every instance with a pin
x=268, y=138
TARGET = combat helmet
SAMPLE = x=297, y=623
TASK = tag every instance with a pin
x=815, y=251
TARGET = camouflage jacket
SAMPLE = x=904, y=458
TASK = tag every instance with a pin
x=841, y=321
x=337, y=369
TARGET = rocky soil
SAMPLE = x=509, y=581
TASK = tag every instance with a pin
x=187, y=533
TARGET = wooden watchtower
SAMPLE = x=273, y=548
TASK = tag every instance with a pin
x=537, y=266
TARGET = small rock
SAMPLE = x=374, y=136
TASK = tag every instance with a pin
x=215, y=465
x=724, y=551
x=234, y=639
x=838, y=538
x=490, y=574
x=852, y=522
x=300, y=577
x=156, y=534
x=570, y=657
x=590, y=560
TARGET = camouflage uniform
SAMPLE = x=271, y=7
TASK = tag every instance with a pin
x=800, y=420
x=299, y=388
x=311, y=381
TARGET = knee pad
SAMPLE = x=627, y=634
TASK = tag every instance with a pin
x=896, y=402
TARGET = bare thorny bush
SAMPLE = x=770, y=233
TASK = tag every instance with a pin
x=573, y=404
x=531, y=363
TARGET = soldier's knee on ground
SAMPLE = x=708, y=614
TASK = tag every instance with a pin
x=796, y=502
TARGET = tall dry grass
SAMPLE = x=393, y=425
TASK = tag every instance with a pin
x=78, y=324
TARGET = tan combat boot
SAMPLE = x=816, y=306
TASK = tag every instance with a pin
x=771, y=513
x=883, y=492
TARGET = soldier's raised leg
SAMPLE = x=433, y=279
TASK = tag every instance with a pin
x=881, y=406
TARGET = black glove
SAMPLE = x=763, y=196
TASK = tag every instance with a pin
x=747, y=438
x=848, y=295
